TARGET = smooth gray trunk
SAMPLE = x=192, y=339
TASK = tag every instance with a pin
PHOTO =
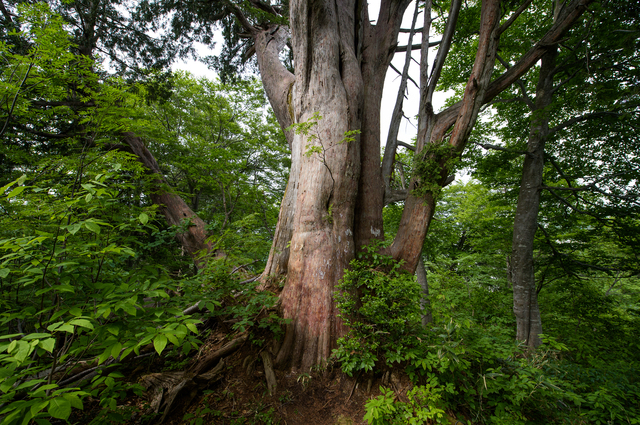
x=525, y=224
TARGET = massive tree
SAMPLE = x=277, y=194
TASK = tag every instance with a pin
x=331, y=88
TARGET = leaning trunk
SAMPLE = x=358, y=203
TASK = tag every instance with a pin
x=193, y=237
x=525, y=296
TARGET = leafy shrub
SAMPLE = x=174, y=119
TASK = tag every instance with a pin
x=377, y=301
x=70, y=293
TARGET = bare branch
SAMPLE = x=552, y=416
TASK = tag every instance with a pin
x=499, y=148
x=392, y=138
x=513, y=17
x=400, y=73
x=400, y=49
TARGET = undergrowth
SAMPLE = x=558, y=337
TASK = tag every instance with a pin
x=469, y=365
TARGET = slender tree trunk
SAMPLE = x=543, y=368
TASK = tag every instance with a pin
x=525, y=296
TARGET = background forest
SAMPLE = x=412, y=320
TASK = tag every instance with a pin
x=98, y=136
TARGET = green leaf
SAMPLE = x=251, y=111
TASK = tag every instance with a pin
x=38, y=407
x=74, y=400
x=60, y=408
x=159, y=343
x=4, y=272
x=104, y=356
x=144, y=218
x=48, y=344
x=94, y=227
x=73, y=228
x=82, y=323
x=192, y=327
x=36, y=336
x=115, y=350
x=16, y=191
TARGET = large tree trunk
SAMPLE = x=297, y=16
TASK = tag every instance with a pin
x=525, y=296
x=334, y=198
x=328, y=82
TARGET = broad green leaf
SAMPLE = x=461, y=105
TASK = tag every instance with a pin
x=115, y=350
x=73, y=228
x=29, y=337
x=4, y=272
x=159, y=343
x=94, y=227
x=104, y=356
x=144, y=218
x=74, y=400
x=48, y=344
x=16, y=191
x=60, y=408
x=38, y=407
x=82, y=323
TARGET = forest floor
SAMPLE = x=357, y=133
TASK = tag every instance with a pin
x=238, y=392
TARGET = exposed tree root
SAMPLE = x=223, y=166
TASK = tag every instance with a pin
x=167, y=386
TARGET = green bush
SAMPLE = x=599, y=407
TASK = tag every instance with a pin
x=377, y=301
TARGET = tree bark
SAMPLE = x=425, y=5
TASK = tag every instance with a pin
x=425, y=304
x=172, y=206
x=525, y=223
x=278, y=84
x=328, y=82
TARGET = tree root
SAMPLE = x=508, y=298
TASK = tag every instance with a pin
x=167, y=386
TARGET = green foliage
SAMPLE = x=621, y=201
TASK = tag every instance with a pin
x=431, y=166
x=424, y=406
x=376, y=300
x=69, y=290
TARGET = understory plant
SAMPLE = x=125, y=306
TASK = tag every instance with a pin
x=75, y=294
x=465, y=363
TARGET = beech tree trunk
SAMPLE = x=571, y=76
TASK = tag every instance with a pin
x=525, y=296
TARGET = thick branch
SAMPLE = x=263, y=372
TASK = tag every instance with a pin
x=172, y=206
x=569, y=14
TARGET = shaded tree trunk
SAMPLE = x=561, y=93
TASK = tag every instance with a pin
x=425, y=304
x=525, y=296
x=175, y=210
